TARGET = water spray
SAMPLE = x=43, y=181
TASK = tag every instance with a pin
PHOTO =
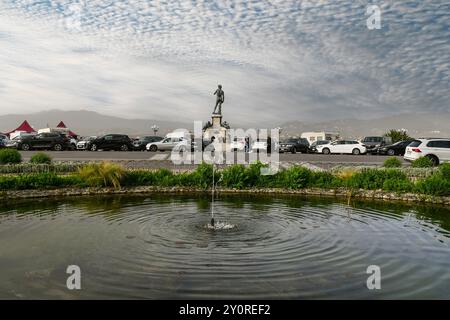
x=212, y=203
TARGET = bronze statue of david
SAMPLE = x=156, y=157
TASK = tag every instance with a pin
x=220, y=98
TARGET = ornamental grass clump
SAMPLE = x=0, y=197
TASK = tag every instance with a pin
x=105, y=174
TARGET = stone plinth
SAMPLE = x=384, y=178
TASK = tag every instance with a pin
x=216, y=120
x=216, y=130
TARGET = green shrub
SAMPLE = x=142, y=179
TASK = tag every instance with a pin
x=445, y=170
x=325, y=180
x=295, y=177
x=398, y=185
x=203, y=175
x=436, y=185
x=38, y=181
x=374, y=179
x=392, y=162
x=41, y=158
x=236, y=176
x=422, y=162
x=163, y=177
x=104, y=174
x=10, y=156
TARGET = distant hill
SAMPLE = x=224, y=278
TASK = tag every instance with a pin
x=417, y=125
x=85, y=122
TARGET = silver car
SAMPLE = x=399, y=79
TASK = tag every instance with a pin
x=163, y=145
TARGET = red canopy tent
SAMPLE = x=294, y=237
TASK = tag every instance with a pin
x=63, y=125
x=25, y=127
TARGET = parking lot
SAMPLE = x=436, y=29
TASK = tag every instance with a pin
x=317, y=159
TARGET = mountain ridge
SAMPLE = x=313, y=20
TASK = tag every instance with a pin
x=88, y=122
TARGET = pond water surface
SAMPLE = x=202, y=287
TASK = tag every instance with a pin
x=159, y=247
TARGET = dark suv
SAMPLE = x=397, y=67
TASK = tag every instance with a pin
x=294, y=145
x=372, y=144
x=119, y=142
x=52, y=141
x=143, y=141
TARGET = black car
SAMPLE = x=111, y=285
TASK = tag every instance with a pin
x=142, y=142
x=397, y=148
x=120, y=142
x=51, y=141
x=294, y=145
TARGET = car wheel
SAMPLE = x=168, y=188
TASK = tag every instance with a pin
x=124, y=147
x=25, y=147
x=326, y=151
x=356, y=151
x=153, y=148
x=57, y=147
x=391, y=152
x=93, y=147
x=433, y=159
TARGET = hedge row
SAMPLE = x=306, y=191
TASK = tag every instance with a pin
x=238, y=177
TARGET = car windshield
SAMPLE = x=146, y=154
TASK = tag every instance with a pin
x=289, y=141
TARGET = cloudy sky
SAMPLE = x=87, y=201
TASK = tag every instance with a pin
x=277, y=60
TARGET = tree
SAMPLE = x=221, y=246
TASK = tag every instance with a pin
x=397, y=135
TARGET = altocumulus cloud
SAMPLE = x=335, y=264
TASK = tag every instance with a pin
x=277, y=60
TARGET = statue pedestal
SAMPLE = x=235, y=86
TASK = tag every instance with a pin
x=216, y=130
x=216, y=120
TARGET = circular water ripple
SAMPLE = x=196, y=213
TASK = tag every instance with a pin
x=167, y=249
x=275, y=252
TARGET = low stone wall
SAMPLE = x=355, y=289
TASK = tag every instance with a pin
x=349, y=194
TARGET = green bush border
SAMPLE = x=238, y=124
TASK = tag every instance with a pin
x=240, y=177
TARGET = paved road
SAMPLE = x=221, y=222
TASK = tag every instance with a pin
x=164, y=156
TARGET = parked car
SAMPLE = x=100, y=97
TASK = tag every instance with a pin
x=397, y=148
x=294, y=145
x=52, y=141
x=186, y=145
x=3, y=140
x=73, y=143
x=142, y=142
x=437, y=150
x=165, y=144
x=83, y=143
x=12, y=143
x=119, y=142
x=238, y=144
x=342, y=146
x=373, y=143
x=258, y=146
x=313, y=146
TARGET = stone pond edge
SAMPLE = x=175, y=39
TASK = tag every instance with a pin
x=341, y=192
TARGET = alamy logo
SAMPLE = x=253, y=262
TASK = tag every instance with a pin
x=374, y=280
x=74, y=280
x=374, y=20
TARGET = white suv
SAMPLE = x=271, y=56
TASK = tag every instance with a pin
x=437, y=150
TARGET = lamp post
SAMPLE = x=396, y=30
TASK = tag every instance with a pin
x=155, y=129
